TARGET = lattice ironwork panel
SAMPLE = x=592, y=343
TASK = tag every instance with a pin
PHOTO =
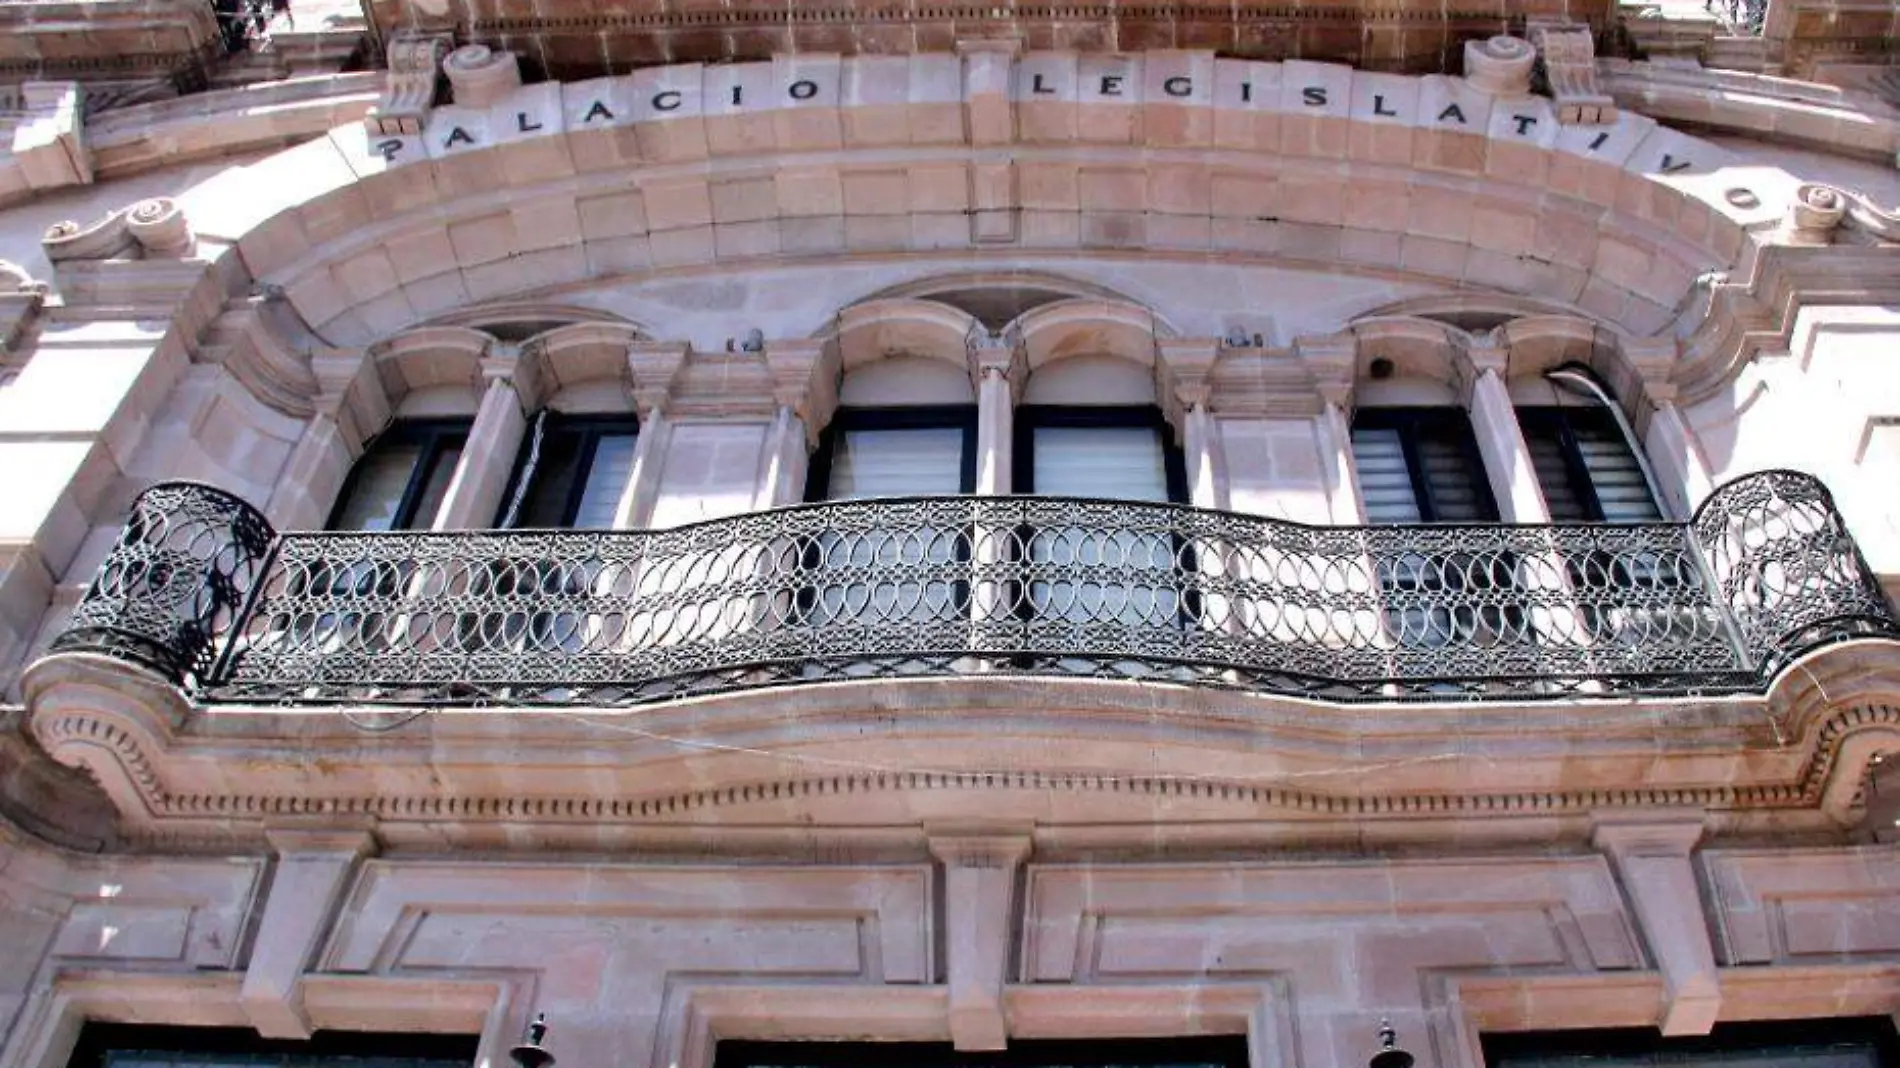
x=1003, y=585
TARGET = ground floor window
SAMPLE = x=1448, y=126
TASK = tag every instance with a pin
x=1202, y=1052
x=130, y=1046
x=1851, y=1043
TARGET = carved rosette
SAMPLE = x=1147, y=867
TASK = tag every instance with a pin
x=1500, y=66
x=480, y=76
x=160, y=226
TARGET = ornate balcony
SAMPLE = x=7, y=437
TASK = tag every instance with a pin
x=200, y=590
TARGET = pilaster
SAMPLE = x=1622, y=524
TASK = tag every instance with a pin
x=995, y=417
x=1507, y=459
x=481, y=477
x=980, y=866
x=314, y=866
x=653, y=368
x=1651, y=853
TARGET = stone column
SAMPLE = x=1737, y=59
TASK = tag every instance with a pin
x=1507, y=460
x=995, y=430
x=800, y=390
x=651, y=370
x=979, y=885
x=1651, y=853
x=1342, y=473
x=313, y=872
x=787, y=457
x=1682, y=475
x=318, y=464
x=481, y=477
x=1206, y=474
x=635, y=509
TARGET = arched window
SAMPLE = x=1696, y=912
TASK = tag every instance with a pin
x=402, y=477
x=1587, y=466
x=573, y=473
x=905, y=426
x=1089, y=427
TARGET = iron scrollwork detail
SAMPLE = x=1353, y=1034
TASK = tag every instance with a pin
x=174, y=584
x=982, y=585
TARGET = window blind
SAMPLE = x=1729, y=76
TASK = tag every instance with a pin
x=607, y=478
x=1385, y=481
x=1117, y=462
x=896, y=462
x=1585, y=467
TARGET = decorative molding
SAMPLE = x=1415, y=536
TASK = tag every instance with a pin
x=409, y=91
x=1568, y=52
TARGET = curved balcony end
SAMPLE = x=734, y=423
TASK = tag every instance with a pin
x=170, y=588
x=1784, y=567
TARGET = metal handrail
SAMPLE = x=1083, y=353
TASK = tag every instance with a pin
x=200, y=590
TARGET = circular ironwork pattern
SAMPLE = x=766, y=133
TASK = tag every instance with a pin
x=1786, y=569
x=173, y=584
x=982, y=585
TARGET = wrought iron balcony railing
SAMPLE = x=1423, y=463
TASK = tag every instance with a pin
x=201, y=590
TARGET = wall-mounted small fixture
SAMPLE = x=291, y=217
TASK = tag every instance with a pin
x=530, y=1054
x=1389, y=1055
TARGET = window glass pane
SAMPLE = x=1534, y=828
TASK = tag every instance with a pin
x=1120, y=462
x=376, y=495
x=1580, y=454
x=606, y=483
x=435, y=486
x=550, y=480
x=896, y=462
x=1385, y=483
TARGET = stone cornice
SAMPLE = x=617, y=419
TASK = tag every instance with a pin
x=1791, y=761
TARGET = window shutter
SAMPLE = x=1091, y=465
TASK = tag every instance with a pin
x=897, y=462
x=1119, y=462
x=1585, y=467
x=1614, y=473
x=607, y=477
x=1385, y=483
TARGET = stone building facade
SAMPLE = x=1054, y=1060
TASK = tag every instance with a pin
x=969, y=543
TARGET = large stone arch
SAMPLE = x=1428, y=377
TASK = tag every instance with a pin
x=1615, y=222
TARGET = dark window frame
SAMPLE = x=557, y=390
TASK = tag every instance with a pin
x=591, y=427
x=1502, y=1047
x=892, y=417
x=1411, y=423
x=1225, y=1051
x=98, y=1041
x=1031, y=417
x=434, y=435
x=1558, y=417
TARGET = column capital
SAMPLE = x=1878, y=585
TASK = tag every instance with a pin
x=1333, y=361
x=653, y=367
x=980, y=845
x=793, y=364
x=519, y=369
x=1187, y=368
x=1658, y=833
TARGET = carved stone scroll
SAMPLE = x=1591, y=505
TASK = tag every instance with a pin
x=1569, y=55
x=415, y=68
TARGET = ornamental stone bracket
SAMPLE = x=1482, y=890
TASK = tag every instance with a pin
x=142, y=254
x=411, y=86
x=980, y=868
x=1652, y=855
x=49, y=144
x=313, y=872
x=1568, y=52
